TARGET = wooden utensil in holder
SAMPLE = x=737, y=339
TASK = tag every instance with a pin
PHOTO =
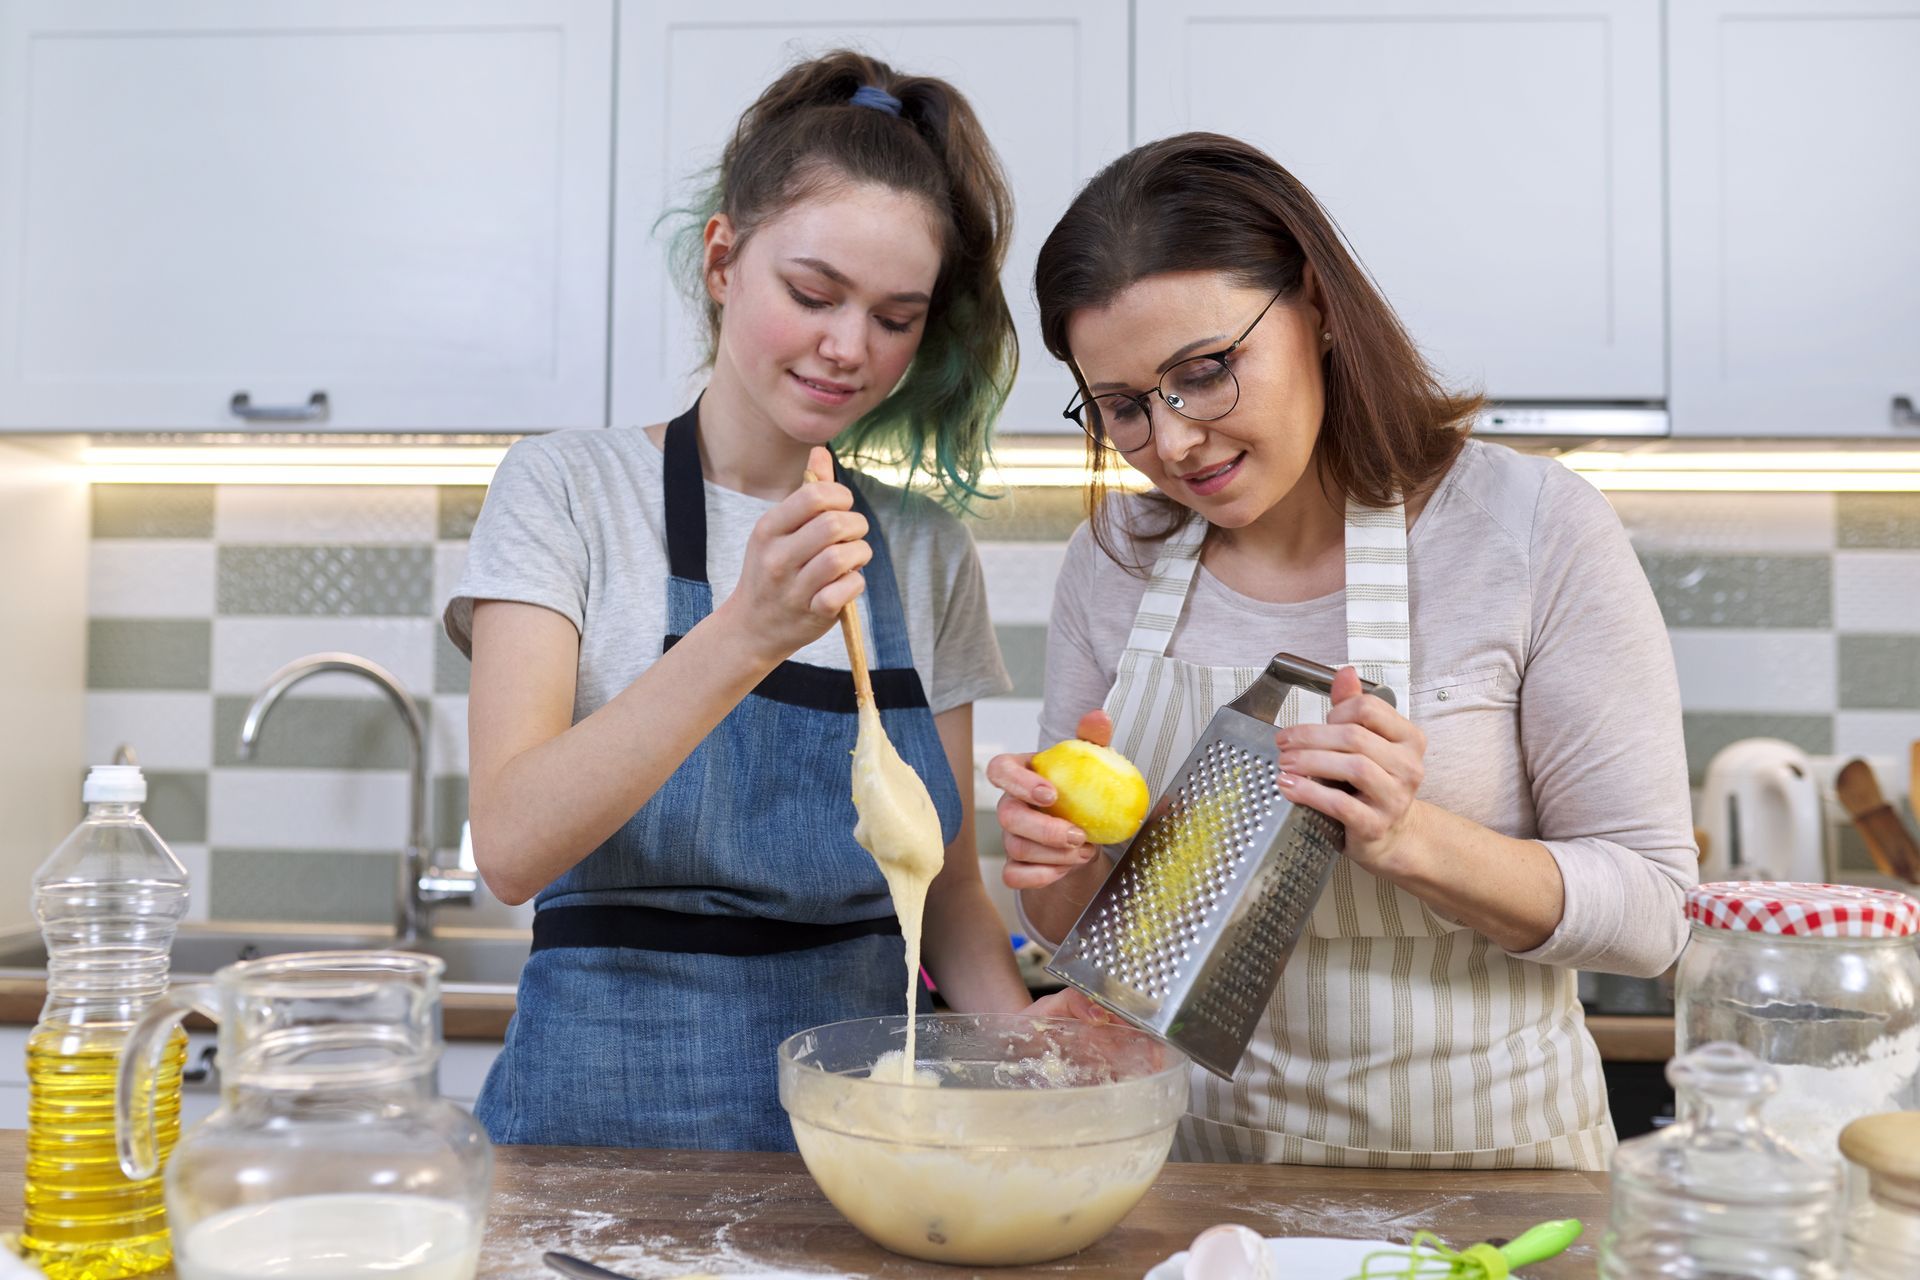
x=1886, y=836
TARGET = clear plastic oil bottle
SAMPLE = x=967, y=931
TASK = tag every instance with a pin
x=109, y=901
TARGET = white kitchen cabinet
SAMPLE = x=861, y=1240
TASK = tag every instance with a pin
x=1794, y=144
x=1047, y=77
x=463, y=1069
x=316, y=214
x=1494, y=163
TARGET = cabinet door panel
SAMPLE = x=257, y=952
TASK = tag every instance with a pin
x=1048, y=80
x=1495, y=165
x=1796, y=266
x=403, y=207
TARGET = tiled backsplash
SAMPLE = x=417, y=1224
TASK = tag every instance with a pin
x=1792, y=615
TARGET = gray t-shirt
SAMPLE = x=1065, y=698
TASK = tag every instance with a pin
x=1542, y=676
x=575, y=522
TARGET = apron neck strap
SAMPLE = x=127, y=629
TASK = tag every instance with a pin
x=689, y=594
x=686, y=491
x=1379, y=629
x=1379, y=617
x=1166, y=594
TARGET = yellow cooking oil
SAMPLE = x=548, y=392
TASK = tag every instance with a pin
x=85, y=1219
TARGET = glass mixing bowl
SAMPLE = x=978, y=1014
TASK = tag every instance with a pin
x=1040, y=1136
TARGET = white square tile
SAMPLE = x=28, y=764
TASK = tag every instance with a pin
x=1732, y=670
x=1000, y=725
x=165, y=730
x=447, y=735
x=1006, y=724
x=1887, y=735
x=1876, y=591
x=1020, y=579
x=157, y=578
x=319, y=513
x=449, y=562
x=247, y=651
x=1747, y=523
x=307, y=809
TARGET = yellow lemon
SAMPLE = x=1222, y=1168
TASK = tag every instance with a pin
x=1100, y=790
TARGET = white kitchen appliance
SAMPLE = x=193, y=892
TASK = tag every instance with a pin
x=1761, y=811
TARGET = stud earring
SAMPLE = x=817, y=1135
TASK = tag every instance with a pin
x=1326, y=335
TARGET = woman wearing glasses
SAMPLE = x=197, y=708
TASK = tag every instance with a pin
x=1522, y=815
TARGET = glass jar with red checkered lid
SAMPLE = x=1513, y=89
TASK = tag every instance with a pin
x=1821, y=981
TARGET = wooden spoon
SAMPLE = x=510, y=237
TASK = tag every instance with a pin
x=897, y=824
x=1913, y=782
x=1886, y=836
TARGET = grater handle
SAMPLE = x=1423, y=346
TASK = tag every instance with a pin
x=1263, y=698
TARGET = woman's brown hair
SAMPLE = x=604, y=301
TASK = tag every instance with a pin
x=807, y=135
x=1206, y=202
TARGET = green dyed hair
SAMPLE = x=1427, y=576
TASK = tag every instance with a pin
x=803, y=138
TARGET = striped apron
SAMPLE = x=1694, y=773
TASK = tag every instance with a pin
x=1396, y=1038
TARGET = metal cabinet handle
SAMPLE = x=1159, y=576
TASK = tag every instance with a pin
x=242, y=406
x=1904, y=414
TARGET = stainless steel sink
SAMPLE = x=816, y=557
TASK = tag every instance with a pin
x=483, y=958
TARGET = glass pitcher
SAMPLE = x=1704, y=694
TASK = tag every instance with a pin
x=332, y=1154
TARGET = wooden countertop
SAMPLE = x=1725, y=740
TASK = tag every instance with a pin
x=483, y=1015
x=661, y=1213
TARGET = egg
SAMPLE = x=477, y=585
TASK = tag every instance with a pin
x=1228, y=1252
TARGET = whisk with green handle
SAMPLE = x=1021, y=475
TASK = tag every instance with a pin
x=1429, y=1258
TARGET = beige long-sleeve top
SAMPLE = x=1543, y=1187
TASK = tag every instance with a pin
x=1542, y=677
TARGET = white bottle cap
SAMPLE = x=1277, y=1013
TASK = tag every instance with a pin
x=114, y=784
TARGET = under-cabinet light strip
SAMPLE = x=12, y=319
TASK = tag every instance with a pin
x=1809, y=471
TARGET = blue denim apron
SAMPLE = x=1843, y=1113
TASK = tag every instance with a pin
x=731, y=911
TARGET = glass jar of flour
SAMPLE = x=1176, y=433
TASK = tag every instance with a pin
x=1820, y=981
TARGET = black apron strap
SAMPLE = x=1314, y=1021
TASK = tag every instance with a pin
x=686, y=498
x=652, y=929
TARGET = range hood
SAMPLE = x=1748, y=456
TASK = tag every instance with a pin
x=1585, y=418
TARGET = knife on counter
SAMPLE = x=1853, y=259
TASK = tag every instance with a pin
x=580, y=1269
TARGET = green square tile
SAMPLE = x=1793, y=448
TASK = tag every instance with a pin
x=334, y=581
x=316, y=733
x=302, y=885
x=1879, y=520
x=1879, y=673
x=459, y=508
x=1850, y=854
x=1024, y=650
x=1696, y=590
x=1708, y=731
x=177, y=806
x=988, y=839
x=449, y=809
x=149, y=653
x=152, y=510
x=452, y=672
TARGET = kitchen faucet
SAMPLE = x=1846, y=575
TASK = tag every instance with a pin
x=421, y=883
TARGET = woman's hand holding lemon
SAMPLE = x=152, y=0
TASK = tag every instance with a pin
x=1059, y=805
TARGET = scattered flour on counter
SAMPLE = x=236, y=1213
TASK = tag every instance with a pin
x=609, y=1240
x=1815, y=1103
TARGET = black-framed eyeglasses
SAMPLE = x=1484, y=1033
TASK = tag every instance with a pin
x=1201, y=388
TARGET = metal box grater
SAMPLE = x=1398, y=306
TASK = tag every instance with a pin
x=1187, y=936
